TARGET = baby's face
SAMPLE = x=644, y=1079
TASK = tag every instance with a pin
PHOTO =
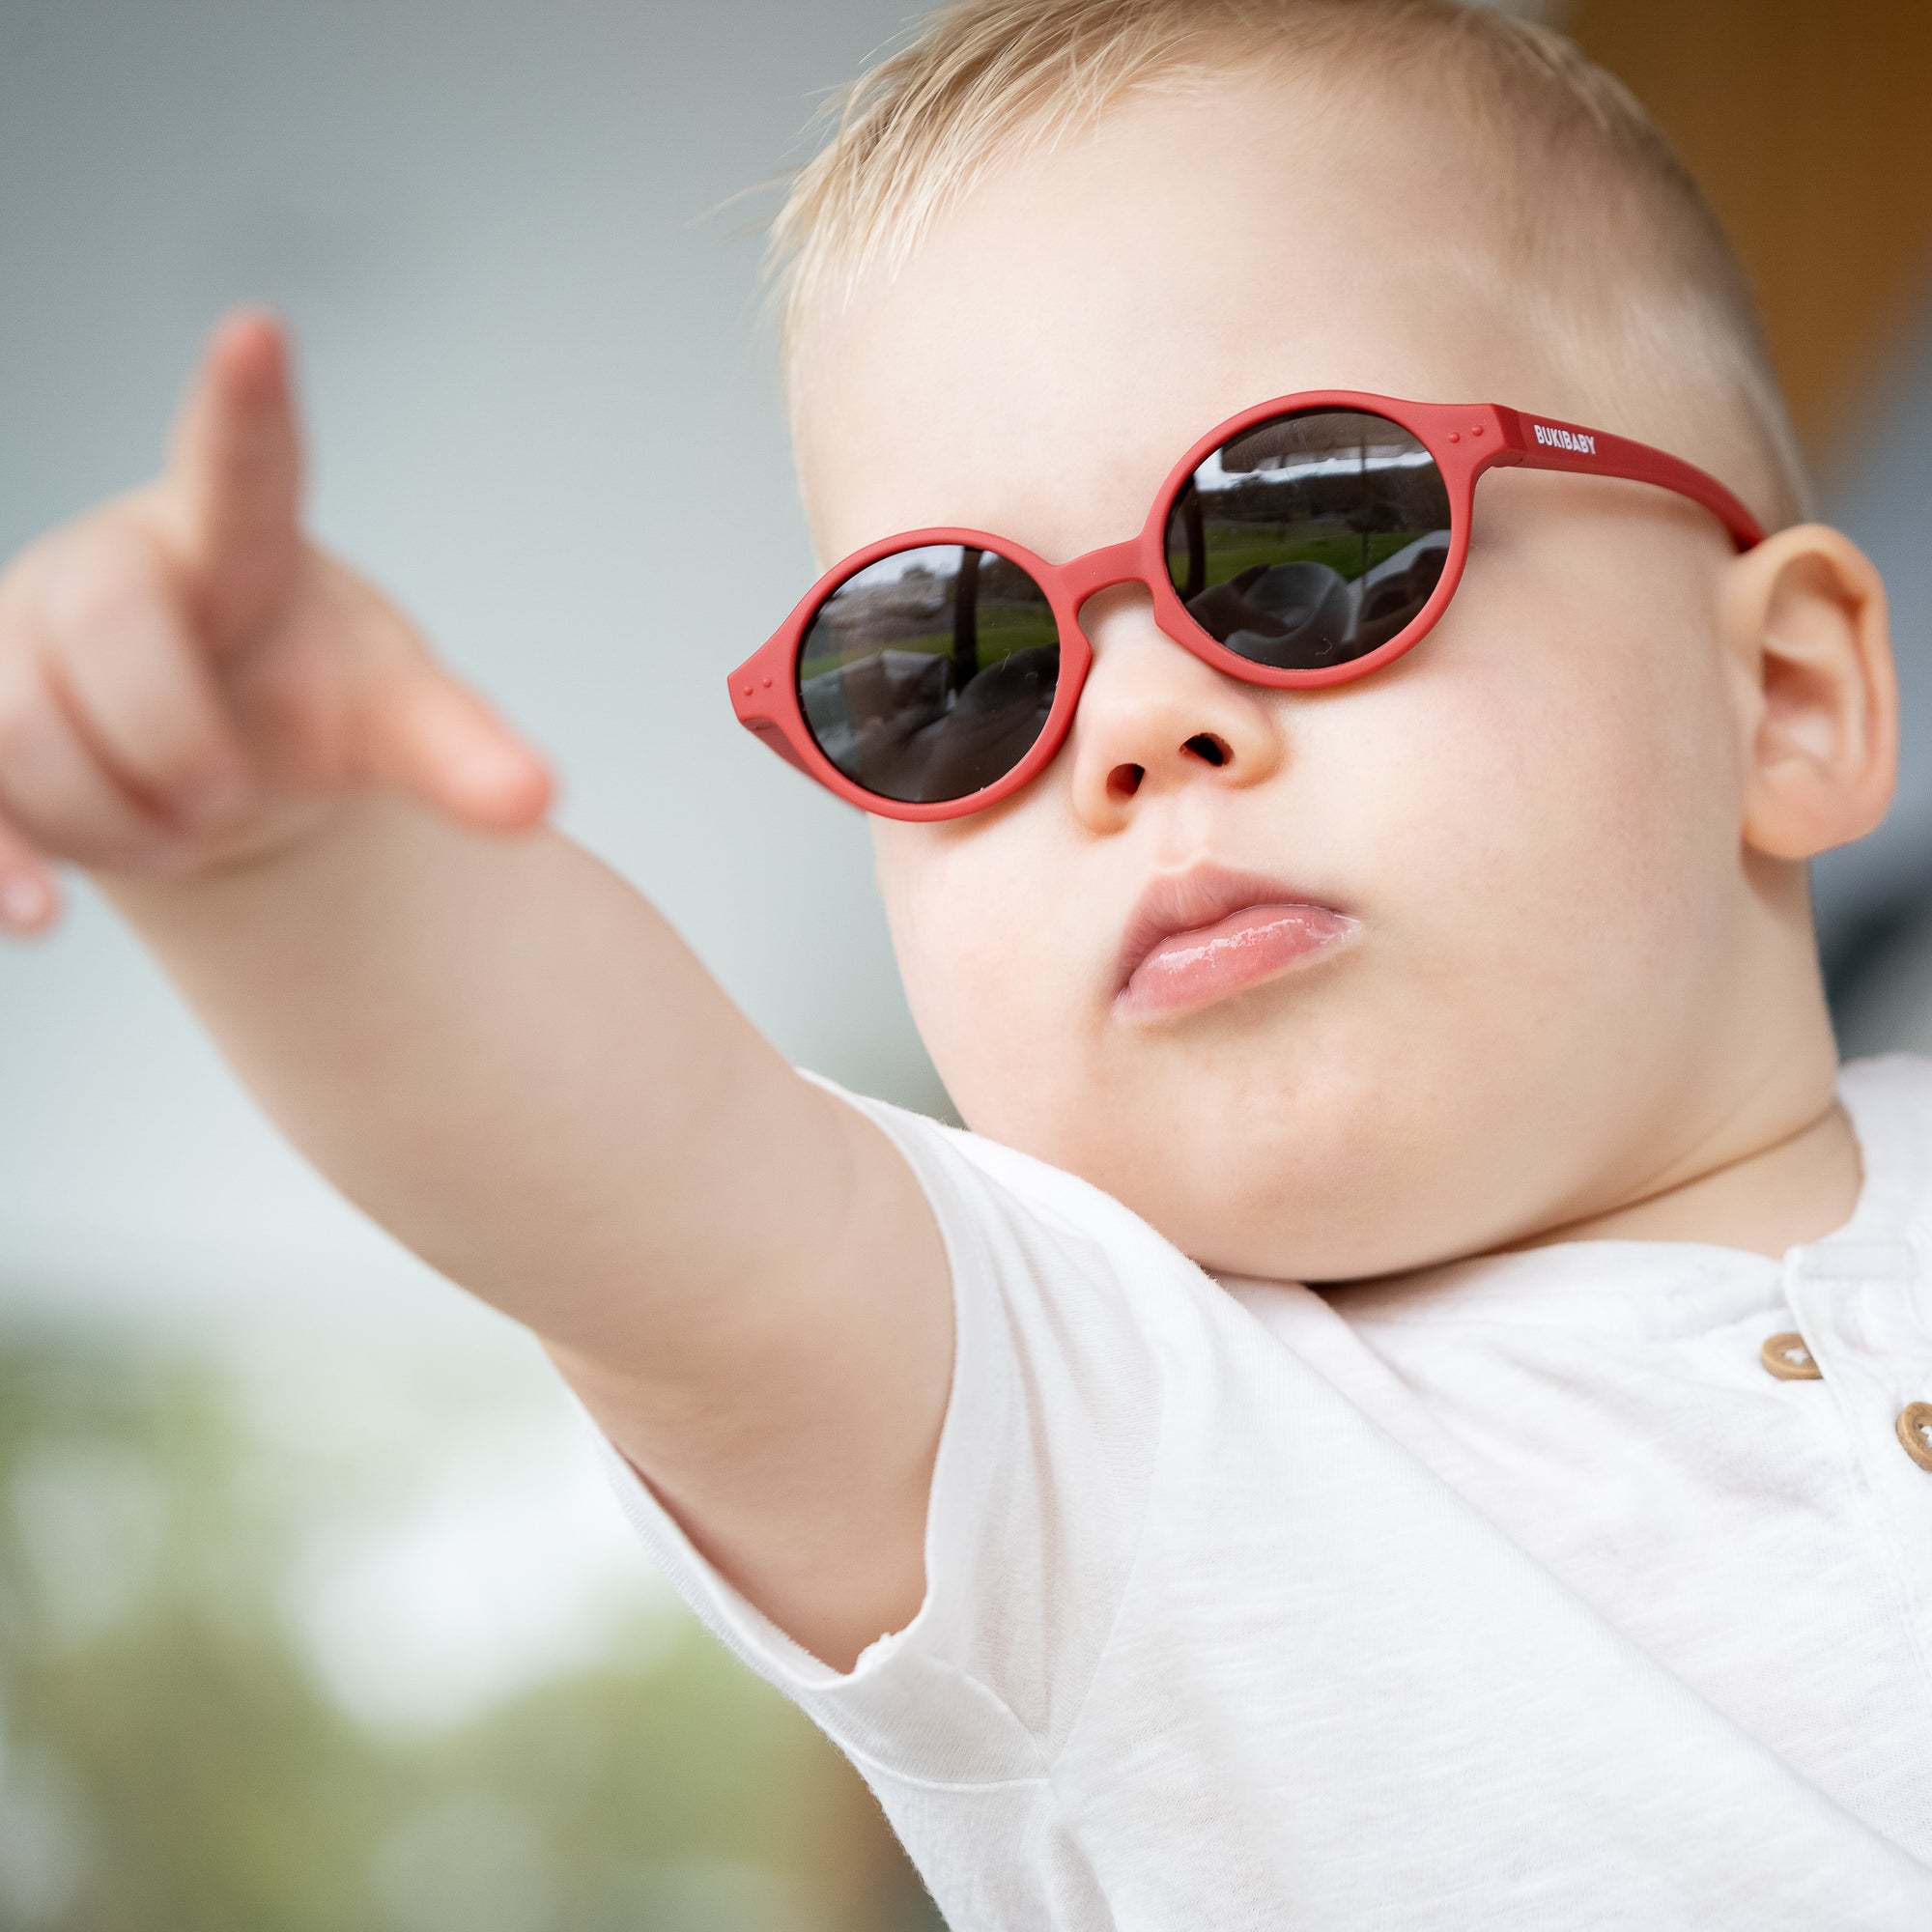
x=1539, y=980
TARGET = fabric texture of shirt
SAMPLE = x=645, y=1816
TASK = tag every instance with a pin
x=1516, y=1594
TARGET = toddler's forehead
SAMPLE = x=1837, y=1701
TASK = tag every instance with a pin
x=1062, y=334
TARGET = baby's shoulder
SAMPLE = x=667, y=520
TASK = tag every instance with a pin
x=1888, y=1099
x=1016, y=1199
x=1072, y=1208
x=1888, y=1096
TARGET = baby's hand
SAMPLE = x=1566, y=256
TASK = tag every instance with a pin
x=187, y=683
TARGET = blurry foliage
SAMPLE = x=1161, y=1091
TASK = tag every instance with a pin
x=169, y=1762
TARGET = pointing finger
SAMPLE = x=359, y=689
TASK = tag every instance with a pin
x=429, y=736
x=232, y=491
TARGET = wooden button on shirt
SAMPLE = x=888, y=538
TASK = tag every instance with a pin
x=1788, y=1358
x=1915, y=1430
x=1533, y=1593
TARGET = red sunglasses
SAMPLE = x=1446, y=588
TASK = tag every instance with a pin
x=1306, y=541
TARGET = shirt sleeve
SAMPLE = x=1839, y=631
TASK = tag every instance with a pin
x=1041, y=1484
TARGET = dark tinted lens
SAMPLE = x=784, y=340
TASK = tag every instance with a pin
x=1310, y=539
x=930, y=674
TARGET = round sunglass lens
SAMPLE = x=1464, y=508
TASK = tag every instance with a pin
x=1311, y=539
x=929, y=674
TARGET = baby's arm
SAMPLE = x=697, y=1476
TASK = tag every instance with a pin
x=483, y=1035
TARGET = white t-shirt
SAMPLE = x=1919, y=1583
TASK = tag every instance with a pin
x=1519, y=1594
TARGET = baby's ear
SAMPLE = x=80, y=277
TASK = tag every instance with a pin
x=1803, y=614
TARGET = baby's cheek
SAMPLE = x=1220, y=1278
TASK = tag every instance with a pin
x=1544, y=824
x=974, y=951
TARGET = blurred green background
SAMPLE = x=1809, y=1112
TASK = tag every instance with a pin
x=287, y=1646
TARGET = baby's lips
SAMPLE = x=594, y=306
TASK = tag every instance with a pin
x=1197, y=968
x=1203, y=895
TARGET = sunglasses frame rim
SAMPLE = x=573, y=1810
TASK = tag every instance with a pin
x=1463, y=440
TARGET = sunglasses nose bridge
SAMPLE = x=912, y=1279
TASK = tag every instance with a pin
x=1099, y=570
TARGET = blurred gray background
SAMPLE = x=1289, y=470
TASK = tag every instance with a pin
x=542, y=412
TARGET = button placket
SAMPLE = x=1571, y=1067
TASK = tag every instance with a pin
x=1858, y=1306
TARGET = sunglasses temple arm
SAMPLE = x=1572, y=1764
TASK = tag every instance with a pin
x=757, y=713
x=1538, y=442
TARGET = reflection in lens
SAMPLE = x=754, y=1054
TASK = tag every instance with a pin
x=1310, y=539
x=930, y=674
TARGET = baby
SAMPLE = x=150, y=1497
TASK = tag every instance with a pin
x=1343, y=753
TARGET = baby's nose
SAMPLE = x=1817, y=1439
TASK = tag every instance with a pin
x=1154, y=717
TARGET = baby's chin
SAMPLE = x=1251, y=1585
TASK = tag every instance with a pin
x=1331, y=1189
x=1312, y=1239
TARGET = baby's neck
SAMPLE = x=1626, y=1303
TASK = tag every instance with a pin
x=1797, y=1189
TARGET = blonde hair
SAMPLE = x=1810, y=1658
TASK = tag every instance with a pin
x=1635, y=285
